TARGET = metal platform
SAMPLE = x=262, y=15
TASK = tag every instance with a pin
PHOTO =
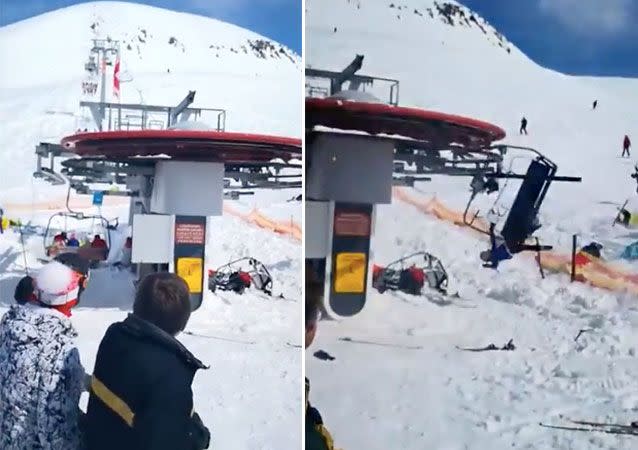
x=435, y=129
x=197, y=145
x=325, y=83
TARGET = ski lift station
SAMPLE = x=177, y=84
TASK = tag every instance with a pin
x=175, y=171
x=358, y=147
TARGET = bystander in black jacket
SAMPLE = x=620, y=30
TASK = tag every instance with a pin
x=140, y=396
x=317, y=435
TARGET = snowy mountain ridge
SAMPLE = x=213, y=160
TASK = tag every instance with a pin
x=151, y=39
x=454, y=14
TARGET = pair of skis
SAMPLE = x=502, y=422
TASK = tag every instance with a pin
x=596, y=427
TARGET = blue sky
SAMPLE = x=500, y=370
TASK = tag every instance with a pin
x=277, y=19
x=593, y=37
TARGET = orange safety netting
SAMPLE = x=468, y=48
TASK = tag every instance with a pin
x=434, y=207
x=588, y=268
x=288, y=228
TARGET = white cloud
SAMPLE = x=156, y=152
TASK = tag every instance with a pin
x=592, y=17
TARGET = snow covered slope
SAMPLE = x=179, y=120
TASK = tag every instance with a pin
x=447, y=58
x=164, y=55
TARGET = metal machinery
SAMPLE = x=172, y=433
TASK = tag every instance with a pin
x=175, y=169
x=358, y=147
x=79, y=173
x=326, y=83
x=175, y=179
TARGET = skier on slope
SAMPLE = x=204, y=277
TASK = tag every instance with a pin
x=41, y=377
x=595, y=104
x=141, y=397
x=626, y=144
x=523, y=126
x=317, y=436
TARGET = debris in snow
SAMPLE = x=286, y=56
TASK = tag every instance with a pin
x=507, y=347
x=323, y=355
x=209, y=336
x=381, y=344
x=581, y=332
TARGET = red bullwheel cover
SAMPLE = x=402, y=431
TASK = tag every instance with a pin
x=197, y=145
x=437, y=128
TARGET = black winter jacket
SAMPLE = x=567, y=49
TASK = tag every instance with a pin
x=317, y=435
x=141, y=395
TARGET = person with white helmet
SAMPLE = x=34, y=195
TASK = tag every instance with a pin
x=41, y=377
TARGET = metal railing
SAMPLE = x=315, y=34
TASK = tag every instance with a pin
x=122, y=116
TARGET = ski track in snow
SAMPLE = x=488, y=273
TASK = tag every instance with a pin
x=439, y=397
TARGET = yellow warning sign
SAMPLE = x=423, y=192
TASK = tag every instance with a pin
x=350, y=273
x=191, y=270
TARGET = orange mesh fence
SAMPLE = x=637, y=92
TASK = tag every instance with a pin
x=434, y=207
x=589, y=269
x=288, y=228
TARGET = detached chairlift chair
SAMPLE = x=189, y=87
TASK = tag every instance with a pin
x=522, y=220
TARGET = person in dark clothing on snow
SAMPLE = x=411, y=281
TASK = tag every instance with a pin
x=626, y=144
x=594, y=104
x=317, y=436
x=140, y=396
x=523, y=126
x=492, y=258
x=593, y=249
x=501, y=250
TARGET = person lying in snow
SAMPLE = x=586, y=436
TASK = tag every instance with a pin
x=593, y=249
x=317, y=435
x=41, y=377
x=140, y=396
x=499, y=252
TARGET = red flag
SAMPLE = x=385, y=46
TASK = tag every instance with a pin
x=116, y=79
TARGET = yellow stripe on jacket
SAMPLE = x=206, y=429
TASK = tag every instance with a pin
x=114, y=403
